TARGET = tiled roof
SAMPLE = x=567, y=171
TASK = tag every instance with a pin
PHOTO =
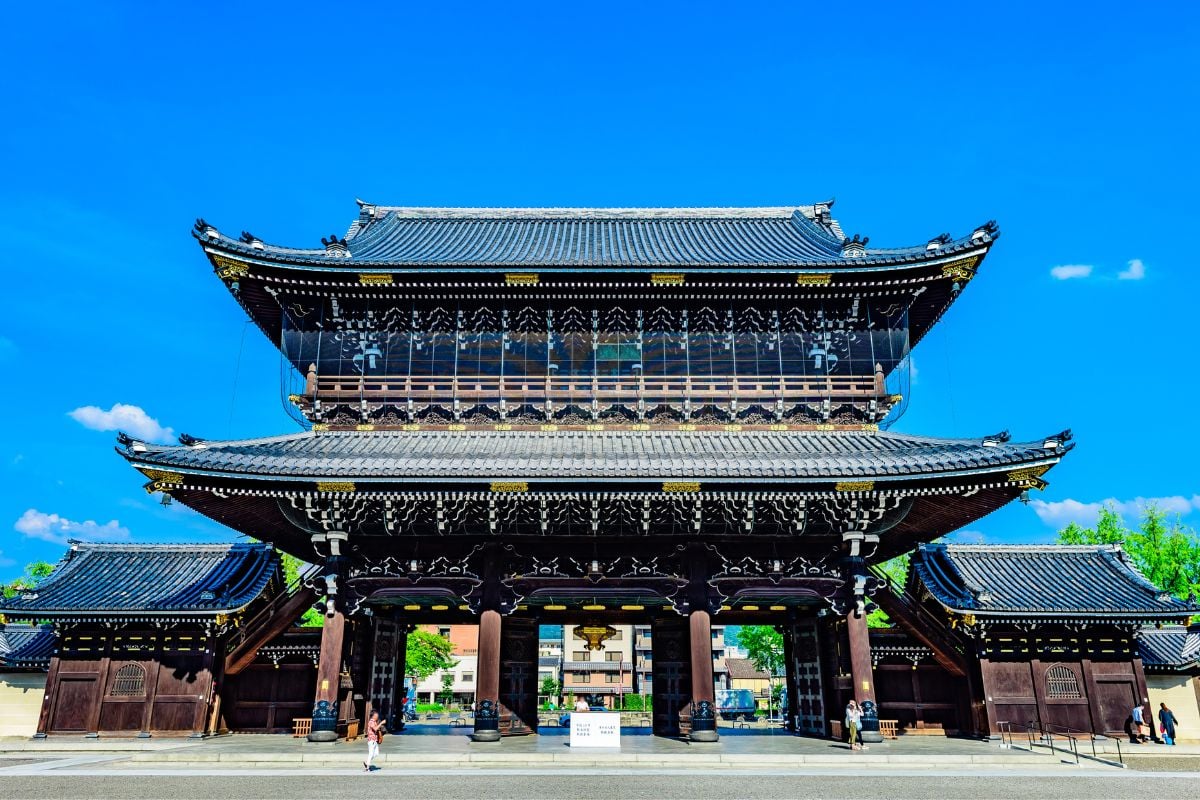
x=787, y=237
x=1040, y=580
x=149, y=580
x=1171, y=648
x=742, y=669
x=26, y=646
x=452, y=455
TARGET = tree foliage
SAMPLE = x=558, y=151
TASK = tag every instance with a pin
x=426, y=654
x=35, y=572
x=897, y=571
x=1166, y=552
x=550, y=687
x=292, y=567
x=764, y=647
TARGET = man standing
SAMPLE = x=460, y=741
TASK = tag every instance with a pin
x=1138, y=734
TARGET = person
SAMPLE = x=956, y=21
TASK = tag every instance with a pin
x=1167, y=721
x=581, y=704
x=853, y=721
x=374, y=735
x=1138, y=730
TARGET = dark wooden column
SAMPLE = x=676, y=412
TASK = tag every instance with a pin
x=329, y=670
x=704, y=707
x=861, y=679
x=487, y=679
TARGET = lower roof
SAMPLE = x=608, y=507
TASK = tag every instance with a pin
x=149, y=580
x=1170, y=648
x=26, y=646
x=431, y=455
x=1028, y=581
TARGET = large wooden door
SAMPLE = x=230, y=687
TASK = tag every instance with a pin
x=671, y=682
x=518, y=673
x=74, y=698
x=805, y=667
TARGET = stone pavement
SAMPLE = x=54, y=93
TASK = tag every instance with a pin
x=453, y=751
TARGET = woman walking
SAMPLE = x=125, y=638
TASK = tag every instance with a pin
x=853, y=722
x=1167, y=721
x=374, y=734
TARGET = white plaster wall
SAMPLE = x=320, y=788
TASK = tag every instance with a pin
x=1179, y=693
x=21, y=695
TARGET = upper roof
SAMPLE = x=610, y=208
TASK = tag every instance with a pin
x=1023, y=581
x=149, y=580
x=619, y=455
x=26, y=646
x=788, y=237
x=1170, y=648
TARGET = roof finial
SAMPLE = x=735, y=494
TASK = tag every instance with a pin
x=985, y=231
x=252, y=240
x=856, y=247
x=335, y=247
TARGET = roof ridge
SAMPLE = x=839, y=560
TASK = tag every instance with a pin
x=593, y=212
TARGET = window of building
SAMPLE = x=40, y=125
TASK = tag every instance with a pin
x=612, y=677
x=612, y=655
x=616, y=637
x=581, y=655
x=582, y=677
x=1061, y=683
x=444, y=633
x=130, y=681
x=468, y=677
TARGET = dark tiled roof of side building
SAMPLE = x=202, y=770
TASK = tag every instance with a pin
x=1171, y=648
x=456, y=455
x=743, y=669
x=26, y=646
x=149, y=580
x=1028, y=581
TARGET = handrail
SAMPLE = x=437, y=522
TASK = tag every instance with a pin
x=1043, y=735
x=272, y=606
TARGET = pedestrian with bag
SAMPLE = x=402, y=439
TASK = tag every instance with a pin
x=1139, y=725
x=374, y=737
x=853, y=724
x=1167, y=723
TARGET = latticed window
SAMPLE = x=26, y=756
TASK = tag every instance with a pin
x=130, y=681
x=1061, y=683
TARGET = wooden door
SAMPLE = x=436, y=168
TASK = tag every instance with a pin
x=74, y=698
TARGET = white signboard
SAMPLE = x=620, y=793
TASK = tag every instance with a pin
x=595, y=729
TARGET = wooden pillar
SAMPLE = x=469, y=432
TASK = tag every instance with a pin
x=52, y=687
x=861, y=680
x=704, y=708
x=487, y=679
x=329, y=670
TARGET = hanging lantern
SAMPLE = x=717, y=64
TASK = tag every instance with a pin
x=595, y=635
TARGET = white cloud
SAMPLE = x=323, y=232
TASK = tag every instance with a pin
x=53, y=528
x=1066, y=272
x=1135, y=272
x=1061, y=513
x=966, y=537
x=122, y=417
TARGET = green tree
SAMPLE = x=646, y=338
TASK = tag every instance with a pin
x=764, y=647
x=1167, y=553
x=35, y=572
x=426, y=654
x=550, y=687
x=292, y=568
x=447, y=693
x=896, y=570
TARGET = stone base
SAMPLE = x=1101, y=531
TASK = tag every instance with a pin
x=870, y=737
x=485, y=736
x=323, y=736
x=703, y=736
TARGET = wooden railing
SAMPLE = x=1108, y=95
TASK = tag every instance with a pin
x=699, y=389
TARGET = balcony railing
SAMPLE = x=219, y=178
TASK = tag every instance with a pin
x=597, y=666
x=584, y=388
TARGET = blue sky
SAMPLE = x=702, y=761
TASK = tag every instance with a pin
x=1076, y=131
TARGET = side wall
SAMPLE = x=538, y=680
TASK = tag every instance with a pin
x=21, y=695
x=1180, y=693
